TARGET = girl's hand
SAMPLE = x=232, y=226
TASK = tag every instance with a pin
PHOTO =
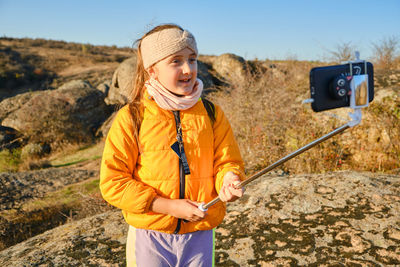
x=229, y=192
x=180, y=208
x=186, y=209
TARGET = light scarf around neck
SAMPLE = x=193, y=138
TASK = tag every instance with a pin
x=169, y=101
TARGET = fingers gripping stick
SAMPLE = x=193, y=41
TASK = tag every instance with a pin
x=201, y=207
x=205, y=206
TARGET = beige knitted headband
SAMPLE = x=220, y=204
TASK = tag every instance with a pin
x=164, y=43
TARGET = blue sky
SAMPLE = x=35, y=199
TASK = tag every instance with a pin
x=264, y=29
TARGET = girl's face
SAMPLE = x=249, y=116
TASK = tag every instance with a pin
x=177, y=72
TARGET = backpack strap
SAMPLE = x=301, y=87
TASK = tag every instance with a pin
x=210, y=108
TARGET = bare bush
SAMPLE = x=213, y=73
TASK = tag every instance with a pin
x=386, y=52
x=343, y=52
x=270, y=122
x=258, y=109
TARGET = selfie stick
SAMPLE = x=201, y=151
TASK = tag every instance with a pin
x=356, y=119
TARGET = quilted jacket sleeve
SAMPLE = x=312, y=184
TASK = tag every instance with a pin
x=226, y=151
x=117, y=185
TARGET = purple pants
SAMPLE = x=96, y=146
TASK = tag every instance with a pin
x=154, y=248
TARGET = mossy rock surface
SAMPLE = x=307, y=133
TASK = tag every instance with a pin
x=341, y=218
x=331, y=219
x=95, y=241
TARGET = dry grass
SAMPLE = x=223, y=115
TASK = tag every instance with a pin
x=71, y=203
x=270, y=122
x=73, y=154
x=386, y=52
x=57, y=61
x=10, y=160
x=82, y=198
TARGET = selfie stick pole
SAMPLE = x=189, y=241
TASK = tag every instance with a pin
x=359, y=91
x=356, y=119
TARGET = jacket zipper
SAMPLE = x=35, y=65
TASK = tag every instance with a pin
x=181, y=167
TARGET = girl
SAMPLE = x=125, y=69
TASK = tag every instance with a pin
x=164, y=155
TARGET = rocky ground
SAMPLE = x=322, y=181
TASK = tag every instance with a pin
x=333, y=219
x=17, y=188
x=26, y=208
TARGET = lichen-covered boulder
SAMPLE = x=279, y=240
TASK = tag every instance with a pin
x=95, y=241
x=122, y=82
x=71, y=113
x=340, y=218
x=230, y=67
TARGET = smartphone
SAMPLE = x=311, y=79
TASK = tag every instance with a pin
x=332, y=86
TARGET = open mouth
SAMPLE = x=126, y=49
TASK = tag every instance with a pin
x=186, y=80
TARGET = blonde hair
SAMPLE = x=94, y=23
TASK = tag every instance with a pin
x=141, y=76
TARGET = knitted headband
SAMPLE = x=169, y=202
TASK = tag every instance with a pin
x=164, y=43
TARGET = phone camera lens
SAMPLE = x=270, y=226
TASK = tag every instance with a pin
x=339, y=88
x=341, y=82
x=341, y=92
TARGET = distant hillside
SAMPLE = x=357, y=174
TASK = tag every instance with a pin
x=262, y=99
x=34, y=64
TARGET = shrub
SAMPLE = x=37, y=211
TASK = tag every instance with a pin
x=270, y=122
x=85, y=48
x=385, y=52
x=343, y=52
x=34, y=150
x=10, y=160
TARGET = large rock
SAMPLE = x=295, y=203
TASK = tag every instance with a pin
x=122, y=82
x=341, y=218
x=203, y=73
x=9, y=138
x=105, y=128
x=72, y=113
x=390, y=93
x=230, y=67
x=94, y=241
x=104, y=87
x=19, y=187
x=12, y=104
x=20, y=193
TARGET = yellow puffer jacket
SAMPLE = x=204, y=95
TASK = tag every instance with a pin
x=133, y=174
